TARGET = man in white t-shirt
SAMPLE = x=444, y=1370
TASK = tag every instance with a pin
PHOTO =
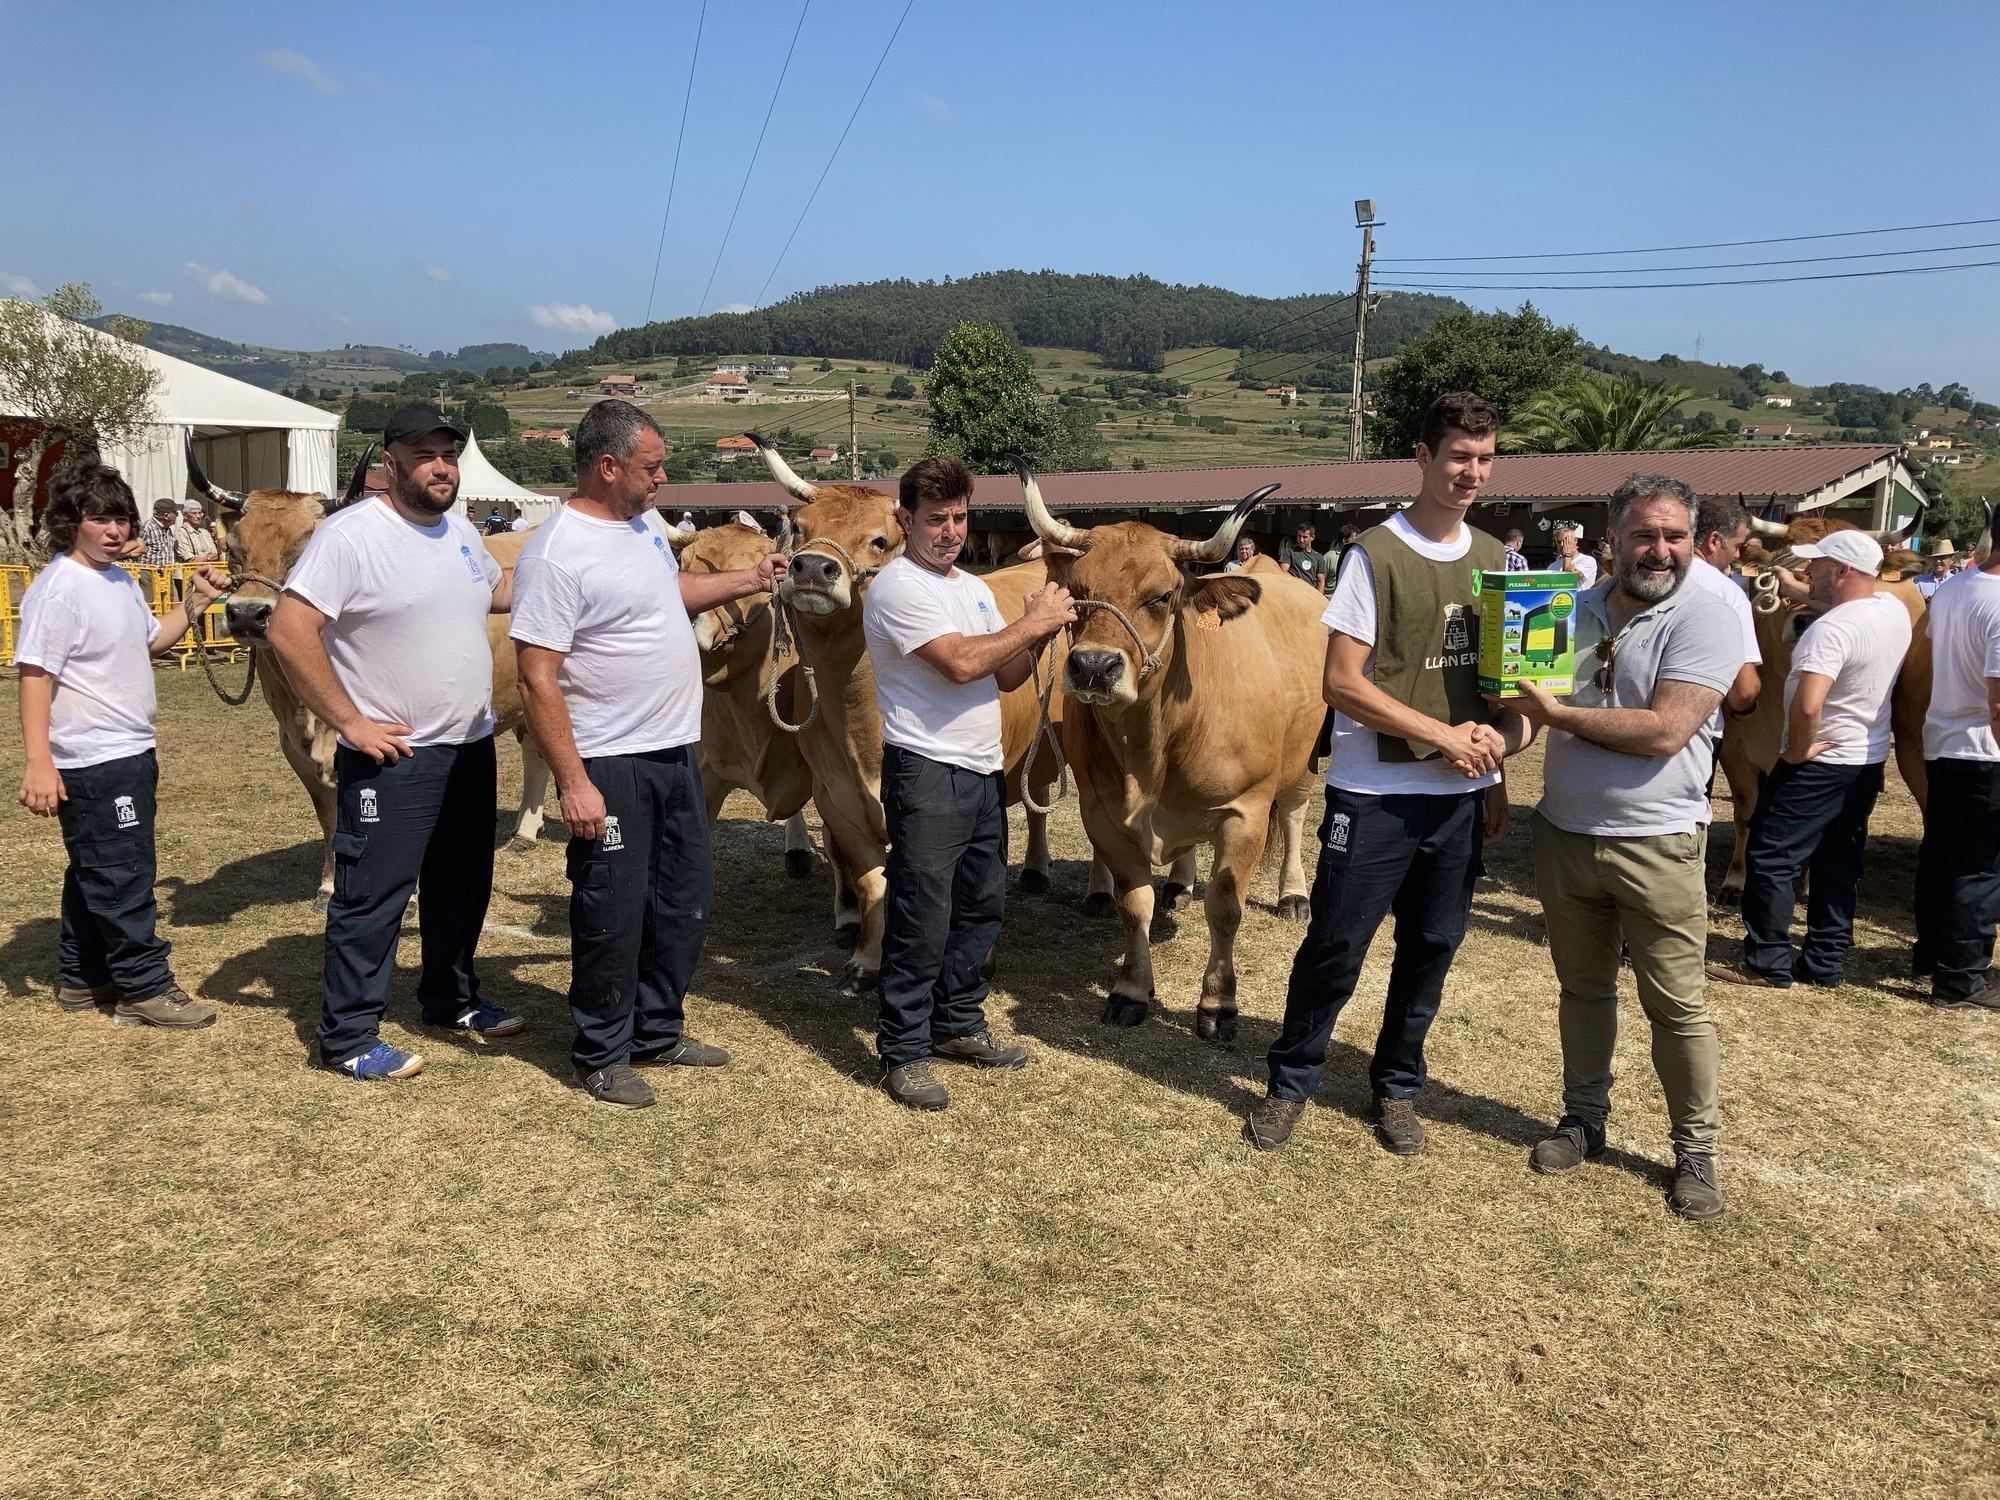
x=1413, y=786
x=942, y=656
x=611, y=683
x=1570, y=556
x=382, y=633
x=1958, y=866
x=1813, y=809
x=1721, y=528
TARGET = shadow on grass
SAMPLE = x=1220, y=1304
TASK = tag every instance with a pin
x=275, y=877
x=28, y=957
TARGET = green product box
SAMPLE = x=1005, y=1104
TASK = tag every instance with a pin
x=1527, y=632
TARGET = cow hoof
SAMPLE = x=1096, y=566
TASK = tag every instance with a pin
x=1293, y=908
x=320, y=903
x=1034, y=882
x=1215, y=1025
x=1173, y=896
x=847, y=938
x=1097, y=904
x=1123, y=1010
x=856, y=981
x=798, y=863
x=519, y=845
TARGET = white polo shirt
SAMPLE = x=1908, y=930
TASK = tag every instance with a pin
x=406, y=607
x=90, y=629
x=923, y=710
x=608, y=595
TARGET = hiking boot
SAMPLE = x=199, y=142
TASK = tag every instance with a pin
x=1271, y=1123
x=1572, y=1143
x=686, y=1053
x=1694, y=1194
x=171, y=1009
x=1745, y=976
x=77, y=1001
x=485, y=1021
x=1987, y=997
x=619, y=1085
x=981, y=1051
x=378, y=1062
x=911, y=1083
x=1397, y=1126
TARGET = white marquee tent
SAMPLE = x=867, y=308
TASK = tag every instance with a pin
x=246, y=438
x=481, y=487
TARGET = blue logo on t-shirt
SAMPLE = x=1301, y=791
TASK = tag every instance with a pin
x=472, y=562
x=660, y=544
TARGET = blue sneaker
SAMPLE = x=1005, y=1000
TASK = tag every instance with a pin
x=484, y=1020
x=380, y=1061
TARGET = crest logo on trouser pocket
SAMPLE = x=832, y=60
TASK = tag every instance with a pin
x=614, y=836
x=127, y=815
x=368, y=806
x=1337, y=839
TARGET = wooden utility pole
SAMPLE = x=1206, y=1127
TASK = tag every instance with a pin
x=1364, y=216
x=853, y=438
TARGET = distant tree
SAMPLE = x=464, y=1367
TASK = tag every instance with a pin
x=984, y=401
x=900, y=389
x=1590, y=415
x=1733, y=426
x=1073, y=444
x=328, y=393
x=536, y=368
x=824, y=366
x=1703, y=421
x=1668, y=361
x=1779, y=377
x=1740, y=398
x=1505, y=357
x=1138, y=463
x=1751, y=375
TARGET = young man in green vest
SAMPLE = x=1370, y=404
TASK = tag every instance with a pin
x=1413, y=782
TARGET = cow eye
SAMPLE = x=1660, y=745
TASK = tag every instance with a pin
x=880, y=544
x=1163, y=601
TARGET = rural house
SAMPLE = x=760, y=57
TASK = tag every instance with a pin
x=729, y=386
x=619, y=385
x=1777, y=400
x=545, y=435
x=730, y=449
x=824, y=455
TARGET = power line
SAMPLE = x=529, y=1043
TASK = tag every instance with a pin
x=769, y=110
x=1251, y=340
x=686, y=99
x=1725, y=265
x=1787, y=239
x=835, y=152
x=1640, y=286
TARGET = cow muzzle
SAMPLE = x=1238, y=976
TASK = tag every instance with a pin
x=816, y=584
x=1098, y=675
x=248, y=619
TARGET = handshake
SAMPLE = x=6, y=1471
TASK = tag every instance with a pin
x=1475, y=749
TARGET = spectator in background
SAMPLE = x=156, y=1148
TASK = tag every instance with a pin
x=157, y=536
x=520, y=523
x=686, y=523
x=1246, y=553
x=1569, y=556
x=1943, y=559
x=194, y=541
x=1349, y=535
x=1302, y=560
x=1721, y=528
x=1517, y=560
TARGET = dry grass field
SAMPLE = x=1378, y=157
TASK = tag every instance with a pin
x=223, y=1273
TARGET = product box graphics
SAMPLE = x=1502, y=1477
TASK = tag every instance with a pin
x=1527, y=632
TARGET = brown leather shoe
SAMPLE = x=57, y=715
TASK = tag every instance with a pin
x=1397, y=1126
x=77, y=1001
x=914, y=1085
x=688, y=1052
x=170, y=1009
x=1271, y=1123
x=981, y=1051
x=1749, y=978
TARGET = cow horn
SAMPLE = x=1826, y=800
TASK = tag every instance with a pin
x=357, y=483
x=1775, y=529
x=1897, y=538
x=1053, y=532
x=1219, y=546
x=782, y=471
x=227, y=499
x=679, y=540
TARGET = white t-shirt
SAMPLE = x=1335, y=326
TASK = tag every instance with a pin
x=922, y=709
x=1965, y=651
x=1355, y=765
x=1583, y=565
x=406, y=607
x=1706, y=576
x=90, y=629
x=608, y=594
x=1860, y=646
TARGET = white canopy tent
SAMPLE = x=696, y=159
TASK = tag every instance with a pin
x=245, y=438
x=481, y=487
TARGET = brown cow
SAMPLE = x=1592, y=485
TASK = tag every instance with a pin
x=1194, y=703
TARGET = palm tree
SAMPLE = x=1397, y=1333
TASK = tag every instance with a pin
x=1589, y=415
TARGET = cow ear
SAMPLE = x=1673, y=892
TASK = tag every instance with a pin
x=1215, y=600
x=1059, y=561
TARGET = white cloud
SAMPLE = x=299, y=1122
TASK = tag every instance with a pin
x=435, y=272
x=158, y=299
x=289, y=64
x=578, y=317
x=939, y=110
x=18, y=286
x=226, y=284
x=736, y=307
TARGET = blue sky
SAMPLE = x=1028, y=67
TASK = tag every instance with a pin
x=438, y=175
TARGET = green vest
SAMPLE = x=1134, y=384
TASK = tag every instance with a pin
x=1427, y=631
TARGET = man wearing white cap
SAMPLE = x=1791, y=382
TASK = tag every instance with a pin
x=1943, y=557
x=1814, y=808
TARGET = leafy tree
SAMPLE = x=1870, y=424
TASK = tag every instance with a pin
x=1505, y=357
x=900, y=389
x=1589, y=415
x=1733, y=426
x=1779, y=377
x=984, y=401
x=85, y=388
x=328, y=393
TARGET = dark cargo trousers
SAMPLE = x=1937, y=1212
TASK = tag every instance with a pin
x=1815, y=815
x=638, y=906
x=426, y=819
x=947, y=887
x=108, y=912
x=1415, y=856
x=1958, y=876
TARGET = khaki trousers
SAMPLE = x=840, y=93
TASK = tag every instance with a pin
x=1648, y=894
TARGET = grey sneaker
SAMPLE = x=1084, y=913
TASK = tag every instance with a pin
x=170, y=1009
x=911, y=1083
x=686, y=1053
x=1572, y=1143
x=1271, y=1123
x=1397, y=1126
x=1694, y=1194
x=618, y=1085
x=1985, y=998
x=76, y=1001
x=981, y=1051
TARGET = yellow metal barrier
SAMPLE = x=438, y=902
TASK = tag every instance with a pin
x=163, y=588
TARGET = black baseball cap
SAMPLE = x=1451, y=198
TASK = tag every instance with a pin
x=408, y=423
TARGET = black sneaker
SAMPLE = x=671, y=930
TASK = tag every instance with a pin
x=618, y=1085
x=1694, y=1194
x=981, y=1051
x=1397, y=1126
x=911, y=1083
x=686, y=1053
x=1271, y=1123
x=1572, y=1143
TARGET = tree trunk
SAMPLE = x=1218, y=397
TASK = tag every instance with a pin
x=17, y=536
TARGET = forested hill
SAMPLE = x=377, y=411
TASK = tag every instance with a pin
x=1131, y=321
